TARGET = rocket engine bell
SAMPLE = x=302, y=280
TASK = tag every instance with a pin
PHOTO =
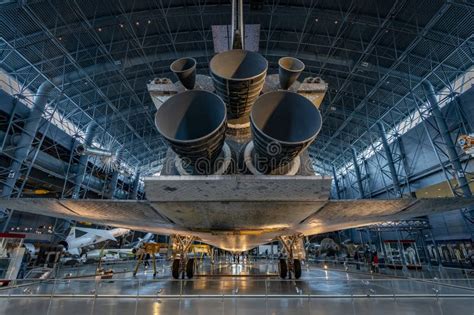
x=238, y=78
x=193, y=123
x=185, y=71
x=289, y=70
x=283, y=125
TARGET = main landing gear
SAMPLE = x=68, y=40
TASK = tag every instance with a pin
x=182, y=265
x=291, y=265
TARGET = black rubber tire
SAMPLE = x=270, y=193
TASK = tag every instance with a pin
x=283, y=268
x=190, y=268
x=297, y=266
x=175, y=268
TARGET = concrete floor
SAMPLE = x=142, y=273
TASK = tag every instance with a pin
x=319, y=291
x=238, y=306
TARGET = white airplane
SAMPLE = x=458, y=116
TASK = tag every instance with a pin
x=73, y=244
x=117, y=253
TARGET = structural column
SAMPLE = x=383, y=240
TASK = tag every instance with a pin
x=26, y=138
x=336, y=182
x=113, y=185
x=90, y=133
x=406, y=166
x=31, y=126
x=358, y=176
x=135, y=184
x=448, y=141
x=389, y=156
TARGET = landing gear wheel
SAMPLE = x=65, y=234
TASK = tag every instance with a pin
x=175, y=268
x=283, y=268
x=190, y=268
x=297, y=267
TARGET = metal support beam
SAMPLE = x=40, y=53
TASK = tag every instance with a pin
x=32, y=124
x=448, y=141
x=336, y=182
x=90, y=133
x=113, y=185
x=135, y=184
x=26, y=138
x=368, y=193
x=389, y=157
x=406, y=166
x=358, y=176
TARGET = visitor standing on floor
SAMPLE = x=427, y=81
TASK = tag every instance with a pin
x=375, y=262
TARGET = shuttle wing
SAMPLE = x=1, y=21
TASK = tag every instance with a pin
x=308, y=217
x=343, y=214
x=124, y=213
x=236, y=212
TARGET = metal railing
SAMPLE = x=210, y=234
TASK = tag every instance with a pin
x=236, y=288
x=424, y=272
x=323, y=286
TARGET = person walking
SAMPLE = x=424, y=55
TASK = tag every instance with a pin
x=356, y=259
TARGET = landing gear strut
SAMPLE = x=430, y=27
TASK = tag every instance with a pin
x=291, y=265
x=150, y=249
x=182, y=266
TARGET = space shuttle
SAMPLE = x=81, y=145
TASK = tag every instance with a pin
x=237, y=173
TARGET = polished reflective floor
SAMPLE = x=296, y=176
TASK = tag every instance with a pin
x=254, y=289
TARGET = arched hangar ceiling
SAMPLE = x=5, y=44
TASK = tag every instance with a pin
x=373, y=54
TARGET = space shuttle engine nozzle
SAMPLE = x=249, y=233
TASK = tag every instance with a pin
x=283, y=124
x=238, y=78
x=193, y=123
